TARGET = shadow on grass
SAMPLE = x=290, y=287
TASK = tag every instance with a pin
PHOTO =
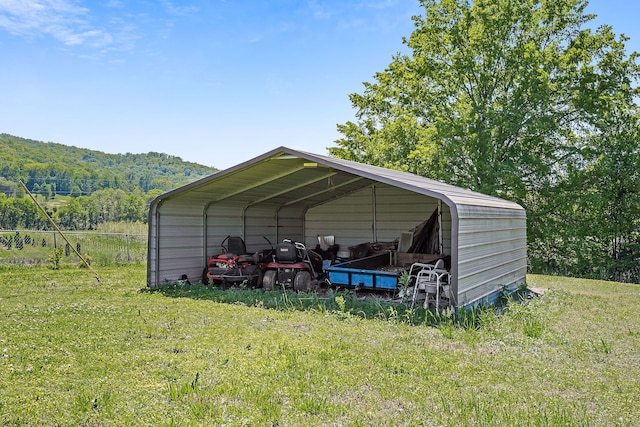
x=344, y=304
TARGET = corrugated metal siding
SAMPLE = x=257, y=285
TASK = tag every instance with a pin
x=259, y=223
x=180, y=243
x=152, y=242
x=391, y=221
x=446, y=229
x=491, y=251
x=399, y=210
x=222, y=220
x=351, y=219
x=290, y=224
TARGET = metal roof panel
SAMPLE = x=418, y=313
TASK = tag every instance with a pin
x=287, y=176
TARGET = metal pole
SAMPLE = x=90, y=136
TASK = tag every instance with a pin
x=440, y=239
x=127, y=243
x=374, y=206
x=59, y=231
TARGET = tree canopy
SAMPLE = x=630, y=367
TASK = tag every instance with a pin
x=522, y=100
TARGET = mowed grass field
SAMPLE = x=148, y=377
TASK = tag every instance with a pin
x=75, y=352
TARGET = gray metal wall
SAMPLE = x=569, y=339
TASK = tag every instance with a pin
x=492, y=251
x=176, y=239
x=223, y=219
x=378, y=213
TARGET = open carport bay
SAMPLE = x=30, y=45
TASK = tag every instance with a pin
x=296, y=195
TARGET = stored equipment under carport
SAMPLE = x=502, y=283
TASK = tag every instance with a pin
x=376, y=272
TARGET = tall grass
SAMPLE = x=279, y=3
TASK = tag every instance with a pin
x=343, y=304
x=74, y=352
x=49, y=248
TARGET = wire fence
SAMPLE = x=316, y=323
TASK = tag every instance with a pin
x=20, y=247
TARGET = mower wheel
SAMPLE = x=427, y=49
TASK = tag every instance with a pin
x=205, y=278
x=255, y=271
x=269, y=280
x=302, y=281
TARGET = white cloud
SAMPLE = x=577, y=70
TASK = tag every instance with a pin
x=115, y=4
x=175, y=10
x=60, y=19
x=319, y=10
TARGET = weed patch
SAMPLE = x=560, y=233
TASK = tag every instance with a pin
x=343, y=304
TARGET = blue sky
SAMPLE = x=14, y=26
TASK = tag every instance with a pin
x=214, y=82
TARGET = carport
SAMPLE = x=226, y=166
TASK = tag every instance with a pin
x=286, y=193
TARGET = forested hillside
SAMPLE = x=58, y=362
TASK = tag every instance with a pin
x=51, y=169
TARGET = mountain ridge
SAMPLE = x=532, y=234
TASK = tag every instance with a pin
x=54, y=168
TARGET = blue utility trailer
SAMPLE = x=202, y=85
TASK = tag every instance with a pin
x=375, y=272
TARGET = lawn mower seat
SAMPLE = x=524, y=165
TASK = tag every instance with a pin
x=286, y=252
x=236, y=246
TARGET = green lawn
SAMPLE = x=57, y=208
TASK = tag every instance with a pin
x=74, y=352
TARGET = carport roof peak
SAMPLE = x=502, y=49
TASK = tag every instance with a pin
x=448, y=193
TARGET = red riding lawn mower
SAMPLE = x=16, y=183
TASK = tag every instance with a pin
x=294, y=267
x=233, y=266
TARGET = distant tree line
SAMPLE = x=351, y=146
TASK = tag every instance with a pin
x=79, y=213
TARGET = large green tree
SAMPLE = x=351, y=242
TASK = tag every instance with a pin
x=519, y=99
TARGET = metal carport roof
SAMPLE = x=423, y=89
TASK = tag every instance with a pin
x=266, y=179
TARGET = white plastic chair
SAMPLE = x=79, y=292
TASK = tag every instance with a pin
x=429, y=278
x=417, y=266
